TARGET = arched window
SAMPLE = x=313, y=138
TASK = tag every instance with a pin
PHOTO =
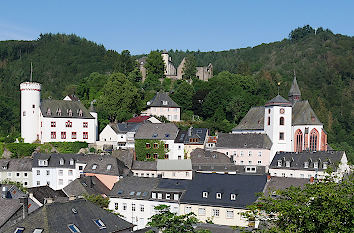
x=281, y=121
x=314, y=140
x=298, y=140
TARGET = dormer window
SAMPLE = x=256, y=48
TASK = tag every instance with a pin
x=153, y=195
x=42, y=163
x=61, y=161
x=279, y=163
x=94, y=167
x=49, y=112
x=218, y=195
x=306, y=165
x=287, y=163
x=109, y=166
x=71, y=161
x=233, y=197
x=59, y=112
x=315, y=165
x=70, y=113
x=100, y=224
x=80, y=113
x=325, y=165
x=164, y=102
x=205, y=194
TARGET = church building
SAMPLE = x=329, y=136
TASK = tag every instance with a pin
x=291, y=124
x=55, y=120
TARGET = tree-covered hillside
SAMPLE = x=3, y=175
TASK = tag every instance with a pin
x=324, y=66
x=66, y=64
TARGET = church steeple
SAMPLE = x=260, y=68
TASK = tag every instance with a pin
x=294, y=93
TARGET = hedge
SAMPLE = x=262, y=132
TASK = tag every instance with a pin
x=19, y=150
x=69, y=147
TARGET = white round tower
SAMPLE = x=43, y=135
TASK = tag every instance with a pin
x=30, y=111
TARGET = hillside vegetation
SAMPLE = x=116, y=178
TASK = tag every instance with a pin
x=66, y=64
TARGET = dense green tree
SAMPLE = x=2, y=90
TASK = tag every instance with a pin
x=168, y=222
x=125, y=63
x=119, y=98
x=189, y=69
x=300, y=33
x=324, y=206
x=154, y=71
x=99, y=200
x=183, y=95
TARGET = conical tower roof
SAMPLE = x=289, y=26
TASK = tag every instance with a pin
x=294, y=90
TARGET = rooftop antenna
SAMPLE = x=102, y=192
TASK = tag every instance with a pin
x=278, y=87
x=31, y=73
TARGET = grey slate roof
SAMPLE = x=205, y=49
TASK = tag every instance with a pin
x=298, y=159
x=184, y=136
x=54, y=159
x=281, y=183
x=126, y=156
x=278, y=101
x=303, y=114
x=244, y=186
x=105, y=164
x=254, y=141
x=174, y=165
x=85, y=185
x=11, y=204
x=56, y=217
x=160, y=131
x=22, y=164
x=8, y=208
x=294, y=90
x=141, y=186
x=144, y=165
x=158, y=100
x=201, y=156
x=125, y=127
x=43, y=192
x=64, y=106
x=254, y=119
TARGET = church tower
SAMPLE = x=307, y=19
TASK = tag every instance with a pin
x=294, y=93
x=277, y=124
x=30, y=111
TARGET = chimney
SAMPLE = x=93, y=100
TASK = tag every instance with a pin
x=269, y=177
x=4, y=191
x=311, y=179
x=48, y=200
x=24, y=202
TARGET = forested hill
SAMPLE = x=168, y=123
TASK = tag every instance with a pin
x=324, y=66
x=323, y=61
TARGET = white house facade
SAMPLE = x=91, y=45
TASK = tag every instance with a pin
x=309, y=164
x=54, y=120
x=135, y=199
x=56, y=170
x=17, y=170
x=163, y=105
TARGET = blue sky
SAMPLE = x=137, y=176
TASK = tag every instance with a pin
x=142, y=26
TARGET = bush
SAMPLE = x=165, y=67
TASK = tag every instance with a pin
x=1, y=149
x=19, y=150
x=69, y=147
